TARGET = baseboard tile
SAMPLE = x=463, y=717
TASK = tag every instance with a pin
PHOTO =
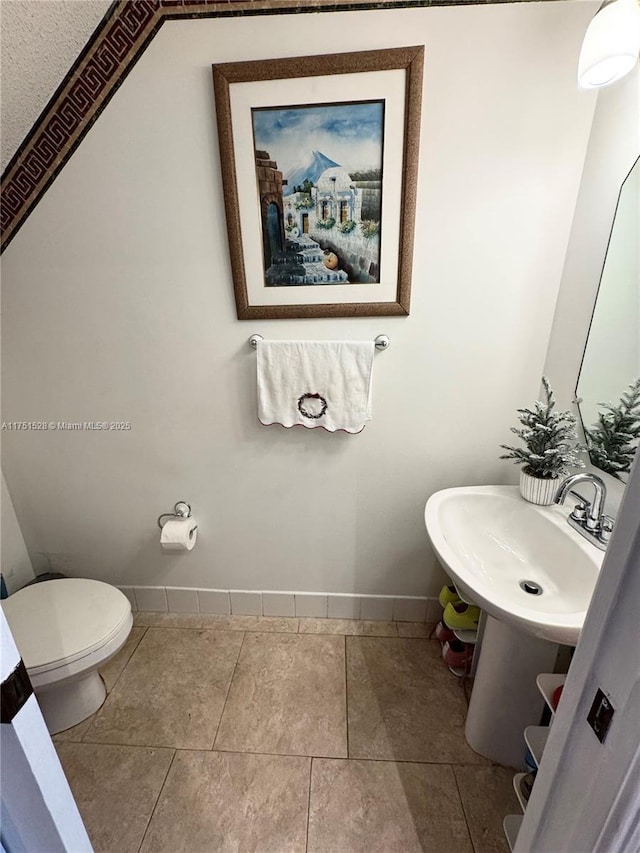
x=216, y=601
x=311, y=604
x=129, y=592
x=378, y=608
x=407, y=609
x=278, y=604
x=151, y=598
x=343, y=606
x=182, y=600
x=401, y=608
x=245, y=602
x=434, y=610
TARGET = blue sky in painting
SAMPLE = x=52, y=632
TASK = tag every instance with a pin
x=349, y=134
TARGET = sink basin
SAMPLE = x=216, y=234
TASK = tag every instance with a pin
x=490, y=541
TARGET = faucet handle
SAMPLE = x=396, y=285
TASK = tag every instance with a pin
x=581, y=511
x=606, y=528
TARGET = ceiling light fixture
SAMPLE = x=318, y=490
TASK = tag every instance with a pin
x=611, y=44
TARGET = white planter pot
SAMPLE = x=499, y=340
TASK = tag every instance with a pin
x=538, y=491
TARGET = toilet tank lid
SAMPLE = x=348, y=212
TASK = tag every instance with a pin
x=63, y=620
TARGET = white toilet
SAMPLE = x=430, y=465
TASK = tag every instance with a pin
x=65, y=629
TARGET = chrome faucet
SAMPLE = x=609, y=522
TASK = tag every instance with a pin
x=588, y=518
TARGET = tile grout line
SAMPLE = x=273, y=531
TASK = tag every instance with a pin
x=144, y=631
x=323, y=757
x=258, y=630
x=155, y=805
x=306, y=846
x=464, y=811
x=235, y=666
x=280, y=754
x=346, y=694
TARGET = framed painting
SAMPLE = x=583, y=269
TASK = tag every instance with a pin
x=319, y=158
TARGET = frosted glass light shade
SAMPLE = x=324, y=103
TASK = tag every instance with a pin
x=611, y=45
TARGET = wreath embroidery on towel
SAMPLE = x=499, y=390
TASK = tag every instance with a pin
x=307, y=414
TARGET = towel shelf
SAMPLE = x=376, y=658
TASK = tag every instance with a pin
x=381, y=342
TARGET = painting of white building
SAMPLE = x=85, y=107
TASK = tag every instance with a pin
x=319, y=175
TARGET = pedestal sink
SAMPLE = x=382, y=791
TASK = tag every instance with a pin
x=533, y=576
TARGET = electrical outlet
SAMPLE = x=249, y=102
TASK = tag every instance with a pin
x=600, y=715
x=10, y=573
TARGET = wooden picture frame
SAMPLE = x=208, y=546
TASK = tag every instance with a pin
x=332, y=235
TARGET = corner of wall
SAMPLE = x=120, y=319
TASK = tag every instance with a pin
x=16, y=563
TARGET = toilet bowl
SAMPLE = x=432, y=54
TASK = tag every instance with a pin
x=65, y=629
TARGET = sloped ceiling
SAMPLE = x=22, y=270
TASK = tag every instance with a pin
x=41, y=39
x=43, y=54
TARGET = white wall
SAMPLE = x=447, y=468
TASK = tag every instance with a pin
x=614, y=145
x=16, y=565
x=118, y=305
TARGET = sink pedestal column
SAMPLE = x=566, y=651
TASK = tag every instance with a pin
x=505, y=698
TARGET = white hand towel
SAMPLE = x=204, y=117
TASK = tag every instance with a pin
x=315, y=383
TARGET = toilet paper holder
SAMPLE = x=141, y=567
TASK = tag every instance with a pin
x=181, y=510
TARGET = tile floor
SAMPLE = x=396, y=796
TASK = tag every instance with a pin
x=282, y=735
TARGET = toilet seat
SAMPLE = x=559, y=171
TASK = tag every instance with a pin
x=59, y=623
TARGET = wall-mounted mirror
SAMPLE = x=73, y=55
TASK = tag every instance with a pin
x=608, y=389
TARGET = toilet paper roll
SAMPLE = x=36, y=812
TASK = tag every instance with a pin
x=178, y=534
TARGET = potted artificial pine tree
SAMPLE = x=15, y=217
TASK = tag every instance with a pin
x=550, y=448
x=612, y=440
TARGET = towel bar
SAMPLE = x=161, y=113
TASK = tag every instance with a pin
x=381, y=342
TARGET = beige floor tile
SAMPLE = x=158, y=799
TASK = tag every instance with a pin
x=149, y=619
x=231, y=803
x=287, y=696
x=384, y=807
x=487, y=796
x=112, y=671
x=116, y=788
x=276, y=624
x=404, y=704
x=415, y=630
x=357, y=627
x=171, y=692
